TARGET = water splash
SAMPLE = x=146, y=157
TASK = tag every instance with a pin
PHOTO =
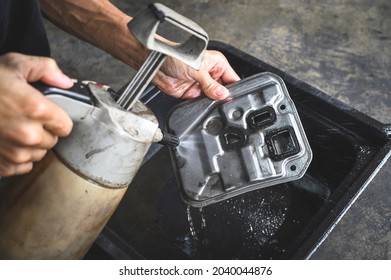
x=203, y=220
x=189, y=144
x=191, y=224
x=260, y=217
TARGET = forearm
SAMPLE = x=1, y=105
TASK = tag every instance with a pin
x=103, y=25
x=99, y=23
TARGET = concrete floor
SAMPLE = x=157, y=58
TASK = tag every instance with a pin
x=340, y=47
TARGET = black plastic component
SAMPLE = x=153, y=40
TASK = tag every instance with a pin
x=78, y=91
x=169, y=140
x=261, y=118
x=282, y=143
x=233, y=138
x=157, y=13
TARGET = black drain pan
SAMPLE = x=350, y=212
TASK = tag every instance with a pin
x=287, y=221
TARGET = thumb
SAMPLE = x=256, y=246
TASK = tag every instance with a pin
x=46, y=70
x=212, y=88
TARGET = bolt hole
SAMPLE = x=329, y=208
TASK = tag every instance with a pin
x=293, y=167
x=236, y=114
x=214, y=126
x=282, y=107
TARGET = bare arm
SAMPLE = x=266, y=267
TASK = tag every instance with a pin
x=99, y=23
x=103, y=25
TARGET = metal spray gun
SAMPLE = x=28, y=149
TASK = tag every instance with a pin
x=57, y=210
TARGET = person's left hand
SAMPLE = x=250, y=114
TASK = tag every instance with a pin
x=181, y=81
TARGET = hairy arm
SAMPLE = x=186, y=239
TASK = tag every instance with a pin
x=105, y=26
x=100, y=23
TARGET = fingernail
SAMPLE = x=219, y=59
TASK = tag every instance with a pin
x=221, y=92
x=66, y=79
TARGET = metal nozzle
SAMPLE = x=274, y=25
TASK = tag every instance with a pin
x=169, y=140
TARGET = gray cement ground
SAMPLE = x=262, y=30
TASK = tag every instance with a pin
x=340, y=47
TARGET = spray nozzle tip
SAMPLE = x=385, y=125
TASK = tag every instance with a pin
x=169, y=140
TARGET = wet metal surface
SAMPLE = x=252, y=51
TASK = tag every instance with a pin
x=340, y=47
x=261, y=141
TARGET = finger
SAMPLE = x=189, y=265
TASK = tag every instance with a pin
x=54, y=119
x=212, y=88
x=172, y=86
x=27, y=134
x=10, y=169
x=37, y=155
x=34, y=68
x=48, y=141
x=26, y=155
x=43, y=140
x=46, y=70
x=222, y=69
x=59, y=124
x=228, y=76
x=20, y=155
x=192, y=92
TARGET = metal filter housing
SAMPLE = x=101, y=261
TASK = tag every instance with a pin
x=253, y=140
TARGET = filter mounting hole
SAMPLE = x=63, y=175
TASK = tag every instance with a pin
x=293, y=167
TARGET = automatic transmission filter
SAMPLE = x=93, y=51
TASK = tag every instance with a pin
x=253, y=140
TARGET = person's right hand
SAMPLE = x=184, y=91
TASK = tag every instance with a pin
x=30, y=124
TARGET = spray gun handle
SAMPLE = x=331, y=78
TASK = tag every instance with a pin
x=78, y=91
x=144, y=28
x=190, y=51
x=76, y=101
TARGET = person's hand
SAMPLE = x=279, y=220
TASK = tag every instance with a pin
x=181, y=81
x=174, y=77
x=29, y=122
